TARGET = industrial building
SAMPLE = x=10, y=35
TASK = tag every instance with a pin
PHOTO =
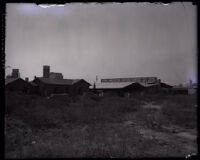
x=53, y=83
x=50, y=83
x=131, y=85
x=144, y=80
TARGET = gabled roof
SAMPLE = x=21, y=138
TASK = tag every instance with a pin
x=113, y=85
x=10, y=80
x=59, y=81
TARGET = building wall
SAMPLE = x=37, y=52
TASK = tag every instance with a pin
x=34, y=90
x=56, y=75
x=56, y=89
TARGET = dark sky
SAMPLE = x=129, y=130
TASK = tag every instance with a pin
x=109, y=40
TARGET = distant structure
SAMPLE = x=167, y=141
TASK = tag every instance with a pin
x=192, y=89
x=8, y=76
x=123, y=86
x=46, y=71
x=55, y=75
x=49, y=83
x=15, y=73
x=145, y=80
x=54, y=83
x=48, y=74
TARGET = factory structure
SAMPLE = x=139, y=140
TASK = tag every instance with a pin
x=49, y=83
x=55, y=83
x=122, y=86
x=133, y=85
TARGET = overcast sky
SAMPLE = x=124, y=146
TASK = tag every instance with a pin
x=110, y=40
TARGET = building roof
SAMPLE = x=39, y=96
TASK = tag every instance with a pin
x=10, y=80
x=60, y=81
x=113, y=85
x=164, y=85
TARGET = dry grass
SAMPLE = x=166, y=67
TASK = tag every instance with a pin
x=90, y=126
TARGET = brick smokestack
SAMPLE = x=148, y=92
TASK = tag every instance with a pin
x=26, y=79
x=15, y=73
x=46, y=71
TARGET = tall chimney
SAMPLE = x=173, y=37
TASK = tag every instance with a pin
x=15, y=73
x=46, y=71
x=26, y=79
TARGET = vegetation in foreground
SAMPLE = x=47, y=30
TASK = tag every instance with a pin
x=92, y=126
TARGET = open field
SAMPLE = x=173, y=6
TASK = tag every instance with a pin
x=91, y=126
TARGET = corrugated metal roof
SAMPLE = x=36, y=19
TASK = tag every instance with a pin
x=10, y=80
x=59, y=81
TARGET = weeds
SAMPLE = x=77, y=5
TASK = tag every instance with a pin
x=88, y=125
